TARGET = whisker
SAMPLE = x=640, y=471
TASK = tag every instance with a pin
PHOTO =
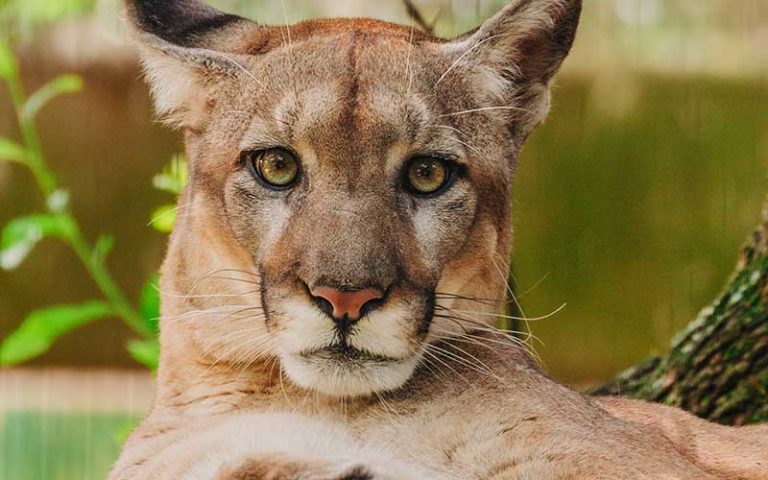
x=511, y=317
x=469, y=337
x=510, y=339
x=475, y=150
x=219, y=340
x=234, y=279
x=174, y=210
x=456, y=62
x=255, y=354
x=254, y=344
x=282, y=388
x=272, y=368
x=453, y=296
x=533, y=287
x=485, y=109
x=287, y=25
x=408, y=68
x=236, y=270
x=391, y=413
x=439, y=374
x=206, y=311
x=212, y=295
x=242, y=343
x=435, y=357
x=510, y=292
x=480, y=326
x=510, y=335
x=504, y=277
x=485, y=370
x=237, y=64
x=211, y=274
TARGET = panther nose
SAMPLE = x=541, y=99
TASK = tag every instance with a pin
x=347, y=303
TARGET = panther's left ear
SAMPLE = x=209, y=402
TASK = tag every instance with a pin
x=515, y=53
x=187, y=46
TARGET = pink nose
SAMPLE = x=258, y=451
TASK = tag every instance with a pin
x=347, y=303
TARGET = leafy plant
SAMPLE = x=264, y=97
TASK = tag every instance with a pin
x=172, y=180
x=40, y=329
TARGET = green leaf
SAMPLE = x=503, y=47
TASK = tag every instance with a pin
x=12, y=151
x=102, y=247
x=21, y=235
x=164, y=218
x=149, y=303
x=174, y=176
x=9, y=67
x=60, y=85
x=146, y=352
x=42, y=328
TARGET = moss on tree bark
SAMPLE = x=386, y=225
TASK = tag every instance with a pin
x=717, y=368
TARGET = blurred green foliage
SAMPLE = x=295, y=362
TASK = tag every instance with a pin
x=40, y=329
x=630, y=206
x=171, y=180
x=20, y=17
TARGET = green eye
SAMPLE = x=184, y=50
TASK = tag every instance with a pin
x=277, y=167
x=426, y=175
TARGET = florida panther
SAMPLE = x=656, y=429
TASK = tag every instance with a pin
x=337, y=264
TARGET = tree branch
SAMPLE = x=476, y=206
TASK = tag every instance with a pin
x=415, y=15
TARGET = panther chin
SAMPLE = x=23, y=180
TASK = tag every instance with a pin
x=344, y=371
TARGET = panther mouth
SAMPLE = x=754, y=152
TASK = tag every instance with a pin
x=375, y=351
x=340, y=370
x=343, y=353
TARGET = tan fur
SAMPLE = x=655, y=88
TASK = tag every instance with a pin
x=243, y=392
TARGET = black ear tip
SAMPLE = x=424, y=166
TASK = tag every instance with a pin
x=182, y=22
x=571, y=20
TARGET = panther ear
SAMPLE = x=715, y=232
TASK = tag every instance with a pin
x=185, y=45
x=515, y=53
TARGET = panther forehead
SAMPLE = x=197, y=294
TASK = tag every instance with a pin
x=356, y=29
x=374, y=107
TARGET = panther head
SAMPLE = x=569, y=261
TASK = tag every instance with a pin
x=350, y=183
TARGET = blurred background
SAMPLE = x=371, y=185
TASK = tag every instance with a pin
x=631, y=201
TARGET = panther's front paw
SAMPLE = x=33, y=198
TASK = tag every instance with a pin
x=279, y=467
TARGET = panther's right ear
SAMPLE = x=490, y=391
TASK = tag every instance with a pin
x=185, y=45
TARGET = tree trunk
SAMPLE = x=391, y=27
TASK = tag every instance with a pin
x=717, y=367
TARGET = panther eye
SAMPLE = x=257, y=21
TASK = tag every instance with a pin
x=277, y=167
x=427, y=175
